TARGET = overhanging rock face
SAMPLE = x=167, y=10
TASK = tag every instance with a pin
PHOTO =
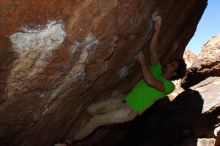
x=57, y=56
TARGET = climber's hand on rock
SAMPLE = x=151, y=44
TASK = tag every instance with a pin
x=158, y=22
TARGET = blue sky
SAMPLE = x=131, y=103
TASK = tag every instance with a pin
x=208, y=26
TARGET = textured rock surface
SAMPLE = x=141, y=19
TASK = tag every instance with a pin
x=210, y=119
x=58, y=56
x=189, y=58
x=206, y=124
x=199, y=142
x=209, y=89
x=207, y=63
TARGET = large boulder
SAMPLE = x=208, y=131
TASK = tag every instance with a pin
x=58, y=56
x=206, y=65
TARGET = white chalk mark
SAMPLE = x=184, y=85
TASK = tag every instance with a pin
x=48, y=38
x=123, y=72
x=90, y=43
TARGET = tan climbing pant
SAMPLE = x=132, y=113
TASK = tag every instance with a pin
x=106, y=112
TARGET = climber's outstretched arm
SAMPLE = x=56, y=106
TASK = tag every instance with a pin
x=154, y=52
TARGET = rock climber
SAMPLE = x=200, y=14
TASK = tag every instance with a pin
x=154, y=85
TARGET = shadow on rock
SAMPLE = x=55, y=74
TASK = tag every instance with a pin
x=165, y=123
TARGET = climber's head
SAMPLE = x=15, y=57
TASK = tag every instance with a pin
x=175, y=69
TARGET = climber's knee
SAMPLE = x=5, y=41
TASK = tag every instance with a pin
x=124, y=114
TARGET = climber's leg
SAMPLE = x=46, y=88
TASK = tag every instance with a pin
x=105, y=106
x=121, y=115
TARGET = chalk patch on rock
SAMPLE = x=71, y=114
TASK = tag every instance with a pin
x=123, y=72
x=89, y=43
x=48, y=38
x=35, y=47
x=75, y=47
x=88, y=1
x=77, y=73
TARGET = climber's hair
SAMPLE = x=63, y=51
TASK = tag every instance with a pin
x=181, y=69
